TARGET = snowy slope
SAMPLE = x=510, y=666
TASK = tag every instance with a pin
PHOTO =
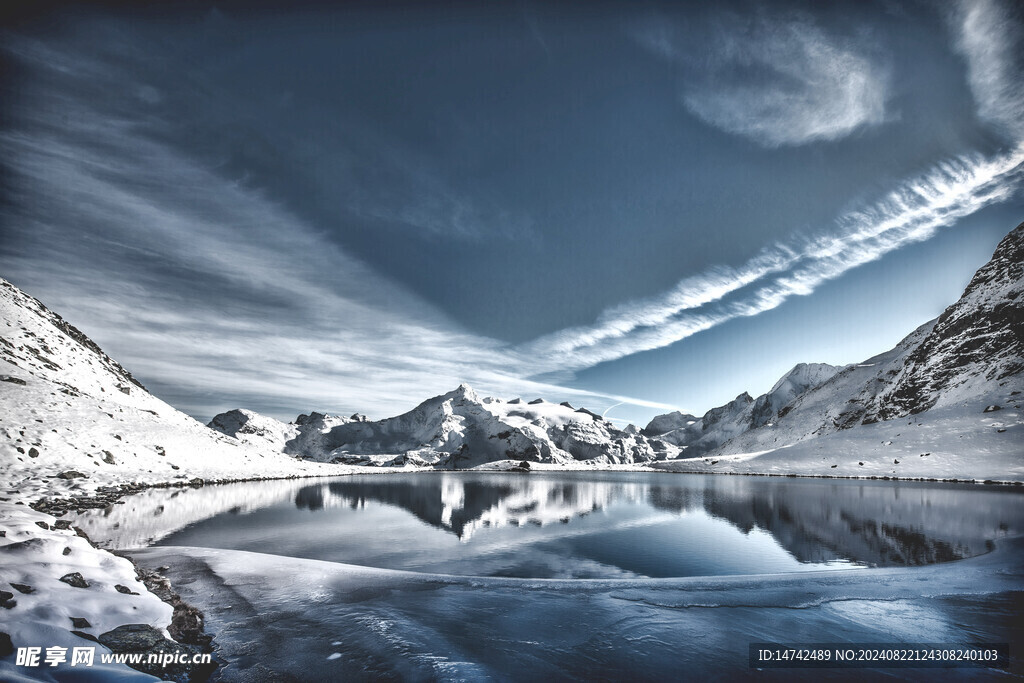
x=459, y=430
x=976, y=344
x=739, y=415
x=944, y=403
x=66, y=408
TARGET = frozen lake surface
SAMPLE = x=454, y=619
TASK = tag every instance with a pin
x=413, y=577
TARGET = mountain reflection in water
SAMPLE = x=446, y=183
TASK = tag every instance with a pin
x=574, y=524
x=869, y=523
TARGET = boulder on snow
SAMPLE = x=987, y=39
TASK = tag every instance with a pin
x=72, y=474
x=75, y=579
x=992, y=409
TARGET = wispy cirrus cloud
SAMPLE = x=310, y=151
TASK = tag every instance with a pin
x=990, y=35
x=911, y=213
x=212, y=293
x=776, y=80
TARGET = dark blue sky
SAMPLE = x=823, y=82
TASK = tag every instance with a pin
x=356, y=208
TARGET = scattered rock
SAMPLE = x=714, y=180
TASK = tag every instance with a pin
x=62, y=524
x=146, y=640
x=72, y=474
x=80, y=622
x=6, y=646
x=124, y=589
x=834, y=466
x=43, y=525
x=1000, y=431
x=33, y=452
x=13, y=380
x=23, y=588
x=66, y=551
x=134, y=638
x=75, y=579
x=536, y=401
x=187, y=625
x=108, y=458
x=992, y=409
x=895, y=461
x=861, y=463
x=7, y=600
x=87, y=636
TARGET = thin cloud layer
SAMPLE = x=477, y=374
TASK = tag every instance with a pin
x=911, y=213
x=778, y=81
x=990, y=35
x=205, y=288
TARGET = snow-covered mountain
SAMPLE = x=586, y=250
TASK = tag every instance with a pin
x=743, y=413
x=975, y=344
x=73, y=418
x=457, y=430
x=947, y=397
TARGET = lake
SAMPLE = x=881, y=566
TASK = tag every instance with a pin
x=584, y=525
x=575, y=576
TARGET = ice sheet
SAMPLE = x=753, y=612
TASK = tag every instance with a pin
x=326, y=621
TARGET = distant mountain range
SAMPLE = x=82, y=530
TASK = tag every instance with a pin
x=973, y=350
x=71, y=413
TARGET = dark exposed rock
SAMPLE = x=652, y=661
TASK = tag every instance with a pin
x=146, y=640
x=7, y=600
x=75, y=579
x=72, y=474
x=33, y=452
x=992, y=409
x=23, y=588
x=43, y=525
x=981, y=334
x=124, y=589
x=80, y=622
x=6, y=646
x=536, y=401
x=86, y=636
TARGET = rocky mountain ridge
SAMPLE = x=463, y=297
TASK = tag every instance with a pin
x=973, y=352
x=457, y=430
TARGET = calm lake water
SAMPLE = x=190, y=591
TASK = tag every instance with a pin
x=607, y=525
